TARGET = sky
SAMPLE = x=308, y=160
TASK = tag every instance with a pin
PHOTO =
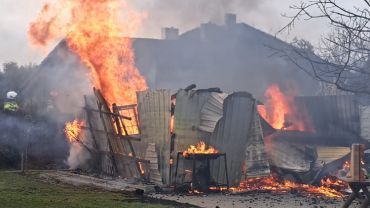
x=266, y=15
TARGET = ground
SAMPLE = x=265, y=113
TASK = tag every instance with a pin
x=256, y=200
x=34, y=191
x=28, y=191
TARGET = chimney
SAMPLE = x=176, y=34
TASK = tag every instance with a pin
x=230, y=19
x=170, y=33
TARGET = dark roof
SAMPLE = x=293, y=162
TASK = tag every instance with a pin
x=233, y=58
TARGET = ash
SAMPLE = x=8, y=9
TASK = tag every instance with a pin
x=258, y=200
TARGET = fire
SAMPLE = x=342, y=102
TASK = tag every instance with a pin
x=281, y=111
x=346, y=167
x=200, y=148
x=274, y=185
x=73, y=130
x=94, y=30
x=142, y=168
x=172, y=119
x=334, y=183
x=172, y=124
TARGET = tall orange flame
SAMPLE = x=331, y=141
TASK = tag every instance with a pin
x=281, y=110
x=94, y=30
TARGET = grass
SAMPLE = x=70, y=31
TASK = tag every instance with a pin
x=27, y=191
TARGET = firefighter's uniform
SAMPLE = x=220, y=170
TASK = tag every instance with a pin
x=11, y=106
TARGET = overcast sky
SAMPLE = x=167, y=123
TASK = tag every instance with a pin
x=184, y=14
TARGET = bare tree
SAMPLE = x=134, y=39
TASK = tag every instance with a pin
x=343, y=57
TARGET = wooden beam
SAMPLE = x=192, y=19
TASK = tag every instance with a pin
x=135, y=159
x=102, y=103
x=126, y=107
x=108, y=113
x=119, y=124
x=130, y=137
x=88, y=115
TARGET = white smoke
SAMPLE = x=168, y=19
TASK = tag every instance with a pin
x=65, y=81
x=187, y=14
x=78, y=156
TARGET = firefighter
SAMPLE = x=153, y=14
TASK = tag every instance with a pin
x=10, y=104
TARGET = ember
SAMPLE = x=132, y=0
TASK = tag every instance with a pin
x=73, y=130
x=277, y=186
x=334, y=183
x=200, y=148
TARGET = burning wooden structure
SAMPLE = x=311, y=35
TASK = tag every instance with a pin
x=121, y=136
x=148, y=141
x=112, y=134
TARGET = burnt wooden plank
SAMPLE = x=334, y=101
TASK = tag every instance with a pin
x=105, y=112
x=130, y=137
x=102, y=142
x=123, y=166
x=121, y=125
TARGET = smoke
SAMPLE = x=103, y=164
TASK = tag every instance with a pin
x=49, y=97
x=190, y=13
x=78, y=156
x=68, y=82
x=39, y=138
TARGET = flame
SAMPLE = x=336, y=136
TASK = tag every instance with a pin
x=346, y=165
x=334, y=183
x=200, y=148
x=172, y=124
x=73, y=130
x=346, y=169
x=94, y=30
x=281, y=111
x=273, y=184
x=142, y=168
x=172, y=119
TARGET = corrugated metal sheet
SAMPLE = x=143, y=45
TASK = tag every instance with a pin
x=186, y=125
x=188, y=109
x=257, y=164
x=332, y=113
x=237, y=131
x=212, y=111
x=233, y=134
x=289, y=156
x=154, y=111
x=365, y=122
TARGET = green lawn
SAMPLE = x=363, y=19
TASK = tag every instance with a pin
x=20, y=191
